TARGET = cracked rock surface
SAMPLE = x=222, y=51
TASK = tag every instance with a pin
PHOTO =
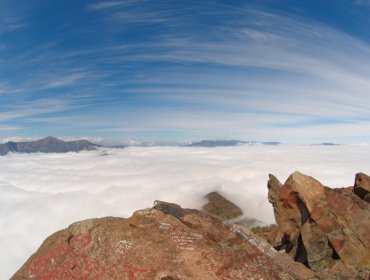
x=326, y=229
x=165, y=242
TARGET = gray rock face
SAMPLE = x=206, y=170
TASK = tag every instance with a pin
x=47, y=145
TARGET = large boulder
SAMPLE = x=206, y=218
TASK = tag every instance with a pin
x=162, y=243
x=325, y=229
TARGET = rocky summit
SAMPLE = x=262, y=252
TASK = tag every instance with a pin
x=325, y=229
x=165, y=242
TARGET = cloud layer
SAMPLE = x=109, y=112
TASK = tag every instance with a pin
x=42, y=193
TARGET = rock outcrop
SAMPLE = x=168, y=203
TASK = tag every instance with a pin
x=325, y=229
x=362, y=186
x=47, y=145
x=220, y=207
x=226, y=210
x=162, y=243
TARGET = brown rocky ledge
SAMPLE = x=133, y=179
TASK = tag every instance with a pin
x=326, y=229
x=164, y=243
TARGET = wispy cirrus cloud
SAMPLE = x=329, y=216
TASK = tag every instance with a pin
x=314, y=66
x=362, y=2
x=8, y=128
x=13, y=118
x=247, y=63
x=11, y=17
x=107, y=5
x=67, y=80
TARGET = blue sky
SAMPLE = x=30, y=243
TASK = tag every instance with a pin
x=290, y=71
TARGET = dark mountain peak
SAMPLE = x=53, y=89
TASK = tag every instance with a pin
x=51, y=138
x=48, y=144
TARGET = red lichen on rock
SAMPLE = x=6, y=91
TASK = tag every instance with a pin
x=163, y=243
x=67, y=261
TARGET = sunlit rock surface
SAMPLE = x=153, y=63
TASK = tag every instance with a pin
x=165, y=242
x=325, y=229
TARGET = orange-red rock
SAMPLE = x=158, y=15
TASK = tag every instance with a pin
x=326, y=229
x=166, y=242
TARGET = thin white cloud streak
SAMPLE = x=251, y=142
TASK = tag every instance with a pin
x=66, y=80
x=43, y=193
x=142, y=12
x=249, y=96
x=28, y=112
x=362, y=2
x=57, y=78
x=104, y=5
x=11, y=17
x=113, y=4
x=36, y=107
x=8, y=128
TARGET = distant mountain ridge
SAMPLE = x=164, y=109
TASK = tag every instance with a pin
x=47, y=145
x=226, y=143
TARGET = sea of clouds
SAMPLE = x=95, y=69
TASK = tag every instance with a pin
x=43, y=193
